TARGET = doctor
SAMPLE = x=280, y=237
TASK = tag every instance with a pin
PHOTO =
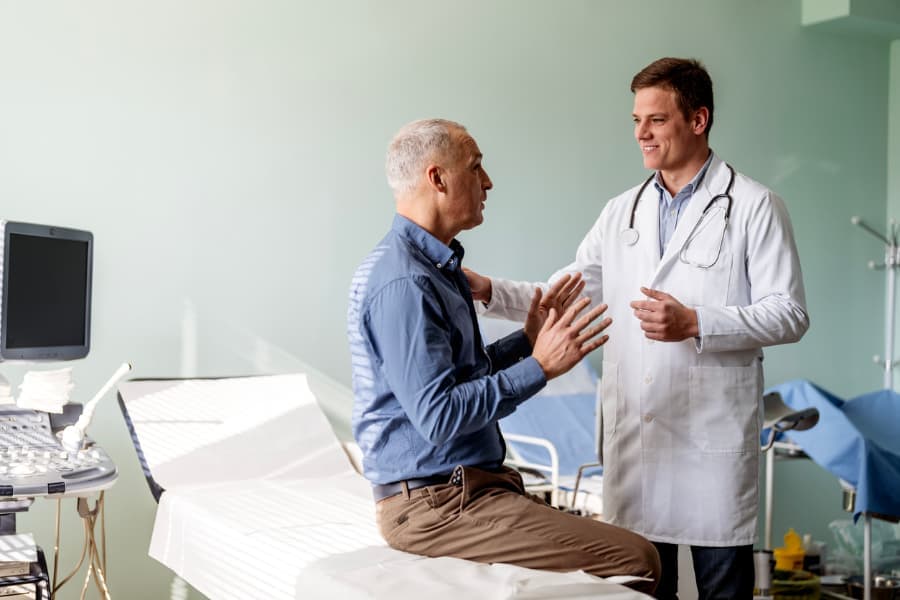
x=700, y=270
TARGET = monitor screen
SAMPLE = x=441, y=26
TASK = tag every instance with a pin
x=46, y=297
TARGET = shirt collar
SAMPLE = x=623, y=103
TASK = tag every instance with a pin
x=693, y=184
x=438, y=253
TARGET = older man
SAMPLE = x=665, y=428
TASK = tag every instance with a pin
x=429, y=394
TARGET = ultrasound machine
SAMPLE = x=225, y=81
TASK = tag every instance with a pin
x=45, y=316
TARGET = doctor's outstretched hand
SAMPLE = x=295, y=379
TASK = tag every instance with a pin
x=479, y=284
x=567, y=338
x=664, y=318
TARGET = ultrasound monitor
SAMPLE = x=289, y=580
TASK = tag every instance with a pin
x=46, y=292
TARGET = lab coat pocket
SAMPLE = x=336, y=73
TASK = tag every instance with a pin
x=609, y=397
x=717, y=280
x=702, y=283
x=723, y=404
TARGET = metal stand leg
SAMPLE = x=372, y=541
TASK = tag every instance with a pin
x=770, y=481
x=867, y=557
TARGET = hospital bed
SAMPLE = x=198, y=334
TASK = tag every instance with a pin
x=551, y=438
x=258, y=499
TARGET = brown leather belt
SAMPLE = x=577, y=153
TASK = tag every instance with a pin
x=386, y=490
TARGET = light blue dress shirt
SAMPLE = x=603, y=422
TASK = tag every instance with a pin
x=670, y=208
x=427, y=392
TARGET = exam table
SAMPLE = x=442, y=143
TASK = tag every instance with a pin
x=857, y=441
x=257, y=499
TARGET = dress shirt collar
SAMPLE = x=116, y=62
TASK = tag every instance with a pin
x=438, y=253
x=692, y=185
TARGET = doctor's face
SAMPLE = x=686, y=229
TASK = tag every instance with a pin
x=668, y=141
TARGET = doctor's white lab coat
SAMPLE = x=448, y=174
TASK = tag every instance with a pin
x=681, y=420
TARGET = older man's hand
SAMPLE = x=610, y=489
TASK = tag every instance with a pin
x=565, y=339
x=560, y=296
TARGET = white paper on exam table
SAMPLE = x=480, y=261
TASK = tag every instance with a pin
x=327, y=546
x=210, y=431
x=289, y=518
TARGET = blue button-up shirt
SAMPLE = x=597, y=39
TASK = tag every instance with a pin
x=670, y=208
x=428, y=394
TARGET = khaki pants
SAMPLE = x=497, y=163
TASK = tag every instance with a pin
x=488, y=517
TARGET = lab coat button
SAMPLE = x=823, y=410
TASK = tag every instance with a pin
x=648, y=379
x=648, y=418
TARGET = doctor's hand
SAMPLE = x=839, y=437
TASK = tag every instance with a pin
x=480, y=285
x=564, y=340
x=664, y=318
x=560, y=296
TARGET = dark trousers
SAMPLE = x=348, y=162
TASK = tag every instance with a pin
x=488, y=517
x=721, y=573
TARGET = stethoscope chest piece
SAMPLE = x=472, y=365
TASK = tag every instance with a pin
x=629, y=236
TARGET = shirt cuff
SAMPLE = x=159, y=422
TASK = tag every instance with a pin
x=698, y=340
x=527, y=378
x=515, y=344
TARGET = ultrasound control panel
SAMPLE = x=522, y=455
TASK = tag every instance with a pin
x=34, y=463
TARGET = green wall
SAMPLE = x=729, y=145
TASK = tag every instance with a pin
x=228, y=157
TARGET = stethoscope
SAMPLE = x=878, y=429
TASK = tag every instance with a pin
x=630, y=235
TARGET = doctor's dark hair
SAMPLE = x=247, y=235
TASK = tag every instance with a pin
x=687, y=77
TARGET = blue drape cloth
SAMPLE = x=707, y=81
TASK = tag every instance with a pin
x=566, y=420
x=857, y=440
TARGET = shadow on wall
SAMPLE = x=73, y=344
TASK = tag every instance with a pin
x=215, y=346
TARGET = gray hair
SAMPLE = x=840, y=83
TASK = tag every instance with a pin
x=414, y=145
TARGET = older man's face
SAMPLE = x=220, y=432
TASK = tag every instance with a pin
x=467, y=183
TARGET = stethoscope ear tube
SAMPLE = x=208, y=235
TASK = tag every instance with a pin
x=630, y=236
x=634, y=204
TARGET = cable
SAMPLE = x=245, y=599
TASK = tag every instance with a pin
x=89, y=549
x=77, y=568
x=73, y=435
x=94, y=569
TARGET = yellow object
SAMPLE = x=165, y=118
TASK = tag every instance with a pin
x=790, y=556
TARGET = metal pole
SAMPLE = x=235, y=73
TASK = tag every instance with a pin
x=890, y=263
x=867, y=557
x=770, y=478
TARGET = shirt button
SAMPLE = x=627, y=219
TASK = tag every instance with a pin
x=439, y=265
x=648, y=418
